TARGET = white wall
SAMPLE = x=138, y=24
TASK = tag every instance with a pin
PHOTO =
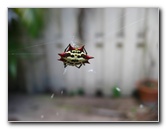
x=124, y=42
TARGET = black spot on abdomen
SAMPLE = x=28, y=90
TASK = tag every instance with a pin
x=74, y=60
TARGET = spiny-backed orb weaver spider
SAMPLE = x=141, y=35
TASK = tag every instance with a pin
x=74, y=56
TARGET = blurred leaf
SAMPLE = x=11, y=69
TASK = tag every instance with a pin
x=116, y=92
x=80, y=91
x=32, y=19
x=13, y=67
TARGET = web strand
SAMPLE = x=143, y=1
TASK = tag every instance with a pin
x=13, y=52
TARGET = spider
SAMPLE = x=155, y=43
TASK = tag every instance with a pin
x=74, y=56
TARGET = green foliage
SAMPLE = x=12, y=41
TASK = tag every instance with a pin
x=72, y=93
x=116, y=92
x=13, y=67
x=29, y=20
x=149, y=84
x=80, y=91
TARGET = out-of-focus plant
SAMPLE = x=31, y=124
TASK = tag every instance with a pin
x=80, y=91
x=29, y=20
x=116, y=91
x=72, y=93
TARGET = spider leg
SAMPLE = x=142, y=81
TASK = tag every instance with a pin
x=79, y=66
x=66, y=48
x=65, y=65
x=85, y=51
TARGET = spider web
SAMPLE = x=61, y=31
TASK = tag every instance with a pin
x=74, y=44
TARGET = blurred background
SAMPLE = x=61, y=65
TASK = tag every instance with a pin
x=119, y=84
